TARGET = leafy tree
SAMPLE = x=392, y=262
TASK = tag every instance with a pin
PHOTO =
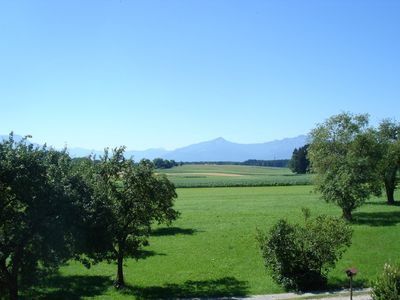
x=41, y=199
x=130, y=198
x=388, y=135
x=160, y=163
x=343, y=154
x=300, y=256
x=299, y=162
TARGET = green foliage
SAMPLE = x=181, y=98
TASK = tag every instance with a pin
x=299, y=257
x=276, y=163
x=387, y=286
x=41, y=202
x=160, y=163
x=299, y=162
x=343, y=155
x=129, y=199
x=388, y=136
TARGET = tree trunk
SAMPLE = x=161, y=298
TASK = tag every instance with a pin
x=389, y=187
x=13, y=288
x=347, y=214
x=13, y=274
x=390, y=196
x=390, y=184
x=119, y=283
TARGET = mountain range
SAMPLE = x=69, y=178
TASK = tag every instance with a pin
x=218, y=149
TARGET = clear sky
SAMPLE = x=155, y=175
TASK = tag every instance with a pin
x=170, y=73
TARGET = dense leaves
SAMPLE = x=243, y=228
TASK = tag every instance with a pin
x=387, y=286
x=129, y=198
x=41, y=200
x=343, y=155
x=160, y=163
x=299, y=162
x=388, y=136
x=300, y=256
x=53, y=209
x=277, y=163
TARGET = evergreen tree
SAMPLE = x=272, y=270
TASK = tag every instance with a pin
x=299, y=162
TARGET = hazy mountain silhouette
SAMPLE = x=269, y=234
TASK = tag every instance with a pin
x=215, y=150
x=223, y=150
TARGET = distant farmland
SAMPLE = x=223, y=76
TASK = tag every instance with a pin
x=233, y=175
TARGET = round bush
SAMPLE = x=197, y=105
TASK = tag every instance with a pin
x=300, y=256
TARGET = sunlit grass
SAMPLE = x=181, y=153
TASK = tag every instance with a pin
x=212, y=250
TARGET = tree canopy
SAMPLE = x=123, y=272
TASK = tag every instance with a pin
x=160, y=163
x=41, y=201
x=129, y=199
x=299, y=162
x=300, y=256
x=53, y=209
x=388, y=136
x=343, y=155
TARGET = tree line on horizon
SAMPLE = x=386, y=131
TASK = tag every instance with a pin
x=160, y=163
x=277, y=163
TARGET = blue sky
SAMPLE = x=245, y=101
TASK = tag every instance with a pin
x=170, y=73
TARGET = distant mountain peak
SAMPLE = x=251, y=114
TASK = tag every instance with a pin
x=219, y=140
x=218, y=149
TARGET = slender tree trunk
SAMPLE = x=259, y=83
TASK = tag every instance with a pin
x=390, y=196
x=119, y=283
x=347, y=214
x=390, y=187
x=13, y=274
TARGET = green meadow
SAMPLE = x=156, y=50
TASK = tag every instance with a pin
x=212, y=250
x=232, y=175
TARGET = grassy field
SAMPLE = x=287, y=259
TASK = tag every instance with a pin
x=212, y=250
x=232, y=175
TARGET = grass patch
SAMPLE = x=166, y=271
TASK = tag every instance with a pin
x=212, y=250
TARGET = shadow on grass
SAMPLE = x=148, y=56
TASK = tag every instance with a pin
x=227, y=286
x=70, y=287
x=384, y=203
x=290, y=175
x=167, y=231
x=143, y=254
x=336, y=283
x=390, y=218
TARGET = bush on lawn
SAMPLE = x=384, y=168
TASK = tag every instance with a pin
x=387, y=286
x=300, y=256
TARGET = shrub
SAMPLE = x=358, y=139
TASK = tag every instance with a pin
x=387, y=286
x=300, y=256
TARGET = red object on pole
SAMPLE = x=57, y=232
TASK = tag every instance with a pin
x=350, y=273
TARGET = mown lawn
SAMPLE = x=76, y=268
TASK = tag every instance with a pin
x=211, y=250
x=233, y=176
